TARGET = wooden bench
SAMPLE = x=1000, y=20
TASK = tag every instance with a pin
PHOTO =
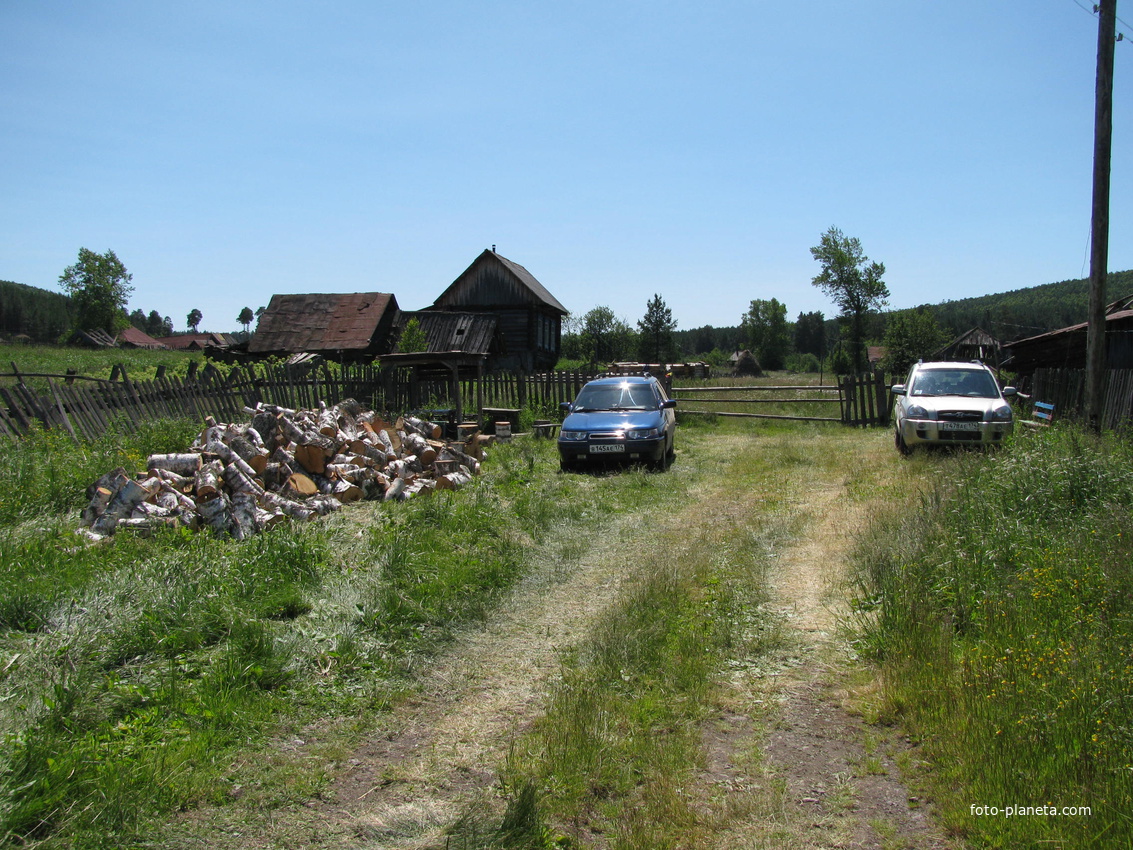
x=1043, y=412
x=545, y=429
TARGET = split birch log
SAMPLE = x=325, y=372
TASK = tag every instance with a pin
x=216, y=514
x=207, y=481
x=100, y=493
x=186, y=464
x=244, y=523
x=121, y=504
x=454, y=480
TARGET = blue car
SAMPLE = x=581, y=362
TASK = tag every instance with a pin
x=624, y=418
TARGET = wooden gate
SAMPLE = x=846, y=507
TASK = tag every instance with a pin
x=862, y=400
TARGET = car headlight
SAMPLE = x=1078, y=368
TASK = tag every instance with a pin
x=572, y=436
x=642, y=434
x=1001, y=414
x=915, y=411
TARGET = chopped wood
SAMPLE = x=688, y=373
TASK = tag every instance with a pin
x=238, y=479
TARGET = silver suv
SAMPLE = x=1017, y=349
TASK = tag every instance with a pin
x=947, y=403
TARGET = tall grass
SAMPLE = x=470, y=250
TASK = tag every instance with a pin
x=1000, y=604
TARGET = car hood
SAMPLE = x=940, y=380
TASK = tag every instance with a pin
x=612, y=420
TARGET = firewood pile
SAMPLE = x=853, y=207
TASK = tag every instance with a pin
x=283, y=464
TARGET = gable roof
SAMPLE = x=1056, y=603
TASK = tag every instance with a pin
x=323, y=322
x=138, y=339
x=520, y=285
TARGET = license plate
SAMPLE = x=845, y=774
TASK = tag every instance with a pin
x=602, y=448
x=959, y=426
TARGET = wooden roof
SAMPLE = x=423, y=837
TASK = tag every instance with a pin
x=472, y=333
x=138, y=339
x=495, y=281
x=322, y=322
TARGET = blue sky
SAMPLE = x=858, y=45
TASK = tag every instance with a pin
x=697, y=150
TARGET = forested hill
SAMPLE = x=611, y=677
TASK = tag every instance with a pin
x=1026, y=312
x=39, y=313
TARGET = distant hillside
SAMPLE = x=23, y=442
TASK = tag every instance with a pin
x=39, y=313
x=1026, y=312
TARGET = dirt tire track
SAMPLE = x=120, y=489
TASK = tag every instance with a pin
x=415, y=776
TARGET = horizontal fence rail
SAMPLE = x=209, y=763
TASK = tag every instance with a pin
x=862, y=400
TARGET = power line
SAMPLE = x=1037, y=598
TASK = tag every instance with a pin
x=1092, y=10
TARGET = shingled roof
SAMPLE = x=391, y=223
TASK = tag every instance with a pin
x=325, y=322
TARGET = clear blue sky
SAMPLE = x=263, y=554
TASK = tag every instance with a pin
x=228, y=151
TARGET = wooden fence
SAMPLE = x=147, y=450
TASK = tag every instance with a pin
x=88, y=407
x=1066, y=390
x=862, y=400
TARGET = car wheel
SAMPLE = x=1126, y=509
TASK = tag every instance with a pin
x=902, y=446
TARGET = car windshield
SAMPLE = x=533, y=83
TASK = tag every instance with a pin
x=616, y=397
x=963, y=382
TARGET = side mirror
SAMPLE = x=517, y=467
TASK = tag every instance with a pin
x=1010, y=392
x=565, y=406
x=897, y=389
x=668, y=404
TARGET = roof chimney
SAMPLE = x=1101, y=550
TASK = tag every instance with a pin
x=493, y=248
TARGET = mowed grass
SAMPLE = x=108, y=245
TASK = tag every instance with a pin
x=998, y=602
x=145, y=676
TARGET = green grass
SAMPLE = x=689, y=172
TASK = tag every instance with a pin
x=136, y=673
x=999, y=604
x=95, y=363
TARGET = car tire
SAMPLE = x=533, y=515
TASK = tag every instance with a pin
x=902, y=446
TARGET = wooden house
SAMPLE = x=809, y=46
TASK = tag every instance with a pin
x=528, y=317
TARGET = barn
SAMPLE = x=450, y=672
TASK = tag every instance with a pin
x=1066, y=348
x=340, y=326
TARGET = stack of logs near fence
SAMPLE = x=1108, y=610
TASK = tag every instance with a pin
x=240, y=479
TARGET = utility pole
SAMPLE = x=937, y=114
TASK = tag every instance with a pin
x=1099, y=220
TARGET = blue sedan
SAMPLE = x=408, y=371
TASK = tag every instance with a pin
x=625, y=418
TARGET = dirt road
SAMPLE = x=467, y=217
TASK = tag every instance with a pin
x=823, y=776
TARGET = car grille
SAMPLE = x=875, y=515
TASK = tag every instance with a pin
x=959, y=436
x=607, y=435
x=960, y=415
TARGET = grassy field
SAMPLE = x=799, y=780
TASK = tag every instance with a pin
x=95, y=363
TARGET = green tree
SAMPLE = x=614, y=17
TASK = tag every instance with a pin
x=810, y=334
x=910, y=335
x=155, y=325
x=853, y=283
x=412, y=338
x=138, y=319
x=603, y=337
x=194, y=319
x=245, y=318
x=655, y=332
x=766, y=333
x=99, y=286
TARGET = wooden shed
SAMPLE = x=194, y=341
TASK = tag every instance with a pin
x=1065, y=348
x=976, y=344
x=529, y=318
x=339, y=326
